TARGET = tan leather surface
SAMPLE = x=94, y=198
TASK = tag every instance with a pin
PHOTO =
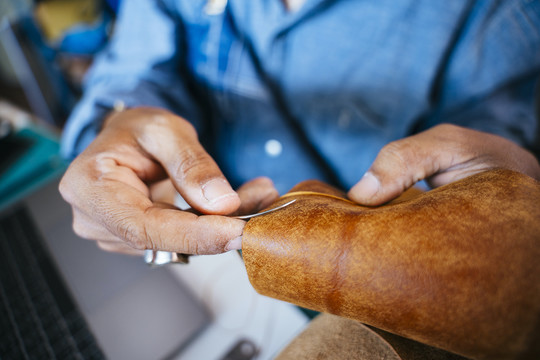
x=331, y=337
x=457, y=267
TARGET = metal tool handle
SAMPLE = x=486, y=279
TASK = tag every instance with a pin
x=158, y=258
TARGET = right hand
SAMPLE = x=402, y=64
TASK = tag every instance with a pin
x=108, y=187
x=441, y=155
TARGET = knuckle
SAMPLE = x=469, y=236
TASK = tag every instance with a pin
x=163, y=121
x=188, y=129
x=136, y=242
x=189, y=244
x=140, y=234
x=185, y=240
x=192, y=163
x=449, y=133
x=132, y=233
x=152, y=238
x=263, y=181
x=205, y=238
x=398, y=153
x=407, y=161
x=445, y=127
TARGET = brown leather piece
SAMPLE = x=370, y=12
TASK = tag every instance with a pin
x=332, y=337
x=457, y=267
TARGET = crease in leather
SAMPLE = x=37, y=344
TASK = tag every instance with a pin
x=455, y=268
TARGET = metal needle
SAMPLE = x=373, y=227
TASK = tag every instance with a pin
x=243, y=217
x=155, y=257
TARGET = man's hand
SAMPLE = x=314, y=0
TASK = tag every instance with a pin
x=442, y=154
x=108, y=187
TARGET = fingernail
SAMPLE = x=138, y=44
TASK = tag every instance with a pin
x=234, y=244
x=368, y=186
x=216, y=189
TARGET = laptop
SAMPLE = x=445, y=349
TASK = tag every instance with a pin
x=133, y=311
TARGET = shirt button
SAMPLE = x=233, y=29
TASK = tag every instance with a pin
x=119, y=105
x=273, y=148
x=215, y=7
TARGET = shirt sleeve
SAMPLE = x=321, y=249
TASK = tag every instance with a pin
x=490, y=80
x=140, y=67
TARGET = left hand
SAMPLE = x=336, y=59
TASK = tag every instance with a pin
x=441, y=155
x=255, y=195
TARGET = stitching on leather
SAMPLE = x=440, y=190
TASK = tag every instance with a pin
x=300, y=193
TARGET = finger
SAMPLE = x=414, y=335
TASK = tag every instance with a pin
x=443, y=154
x=256, y=195
x=196, y=176
x=86, y=228
x=163, y=191
x=402, y=163
x=131, y=216
x=118, y=201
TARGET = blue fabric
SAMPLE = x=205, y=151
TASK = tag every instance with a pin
x=332, y=83
x=85, y=39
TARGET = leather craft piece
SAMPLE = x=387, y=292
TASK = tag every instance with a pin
x=457, y=267
x=331, y=337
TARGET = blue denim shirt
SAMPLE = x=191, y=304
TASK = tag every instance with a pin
x=316, y=93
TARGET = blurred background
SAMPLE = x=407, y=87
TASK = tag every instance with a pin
x=61, y=297
x=45, y=49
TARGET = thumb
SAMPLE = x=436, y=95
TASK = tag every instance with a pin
x=402, y=163
x=192, y=170
x=173, y=143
